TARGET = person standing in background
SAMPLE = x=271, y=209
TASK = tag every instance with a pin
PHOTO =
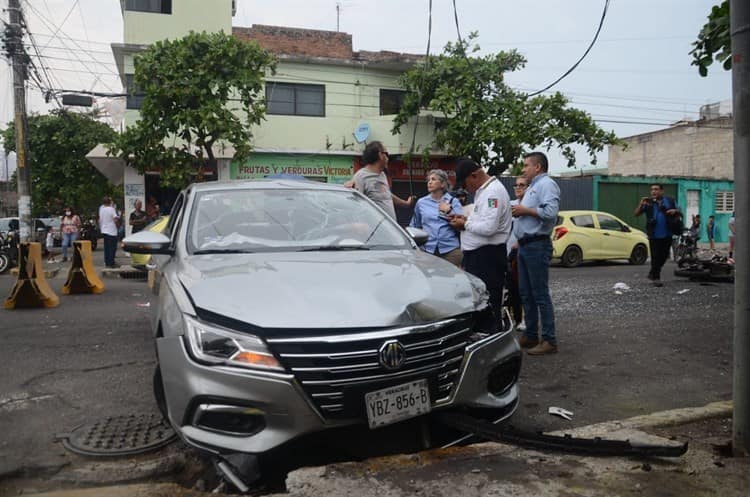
x=70, y=226
x=711, y=231
x=732, y=234
x=138, y=218
x=108, y=227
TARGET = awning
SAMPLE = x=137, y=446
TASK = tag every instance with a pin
x=113, y=168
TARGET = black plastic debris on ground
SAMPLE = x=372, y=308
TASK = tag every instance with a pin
x=120, y=436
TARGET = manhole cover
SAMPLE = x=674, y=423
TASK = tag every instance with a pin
x=120, y=436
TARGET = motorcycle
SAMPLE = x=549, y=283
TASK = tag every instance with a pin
x=685, y=245
x=8, y=250
x=89, y=231
x=700, y=264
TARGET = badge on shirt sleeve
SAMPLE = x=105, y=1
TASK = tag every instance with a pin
x=492, y=203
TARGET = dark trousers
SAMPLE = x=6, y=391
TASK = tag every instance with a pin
x=110, y=248
x=488, y=263
x=659, y=255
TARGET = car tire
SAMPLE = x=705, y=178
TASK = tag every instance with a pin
x=4, y=262
x=159, y=395
x=572, y=256
x=639, y=255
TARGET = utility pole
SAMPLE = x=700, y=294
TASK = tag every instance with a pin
x=739, y=11
x=338, y=14
x=14, y=38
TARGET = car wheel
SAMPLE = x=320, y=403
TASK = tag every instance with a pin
x=159, y=395
x=572, y=256
x=4, y=262
x=639, y=255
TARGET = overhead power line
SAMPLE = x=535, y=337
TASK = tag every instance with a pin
x=591, y=45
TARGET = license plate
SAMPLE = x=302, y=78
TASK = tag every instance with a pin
x=397, y=403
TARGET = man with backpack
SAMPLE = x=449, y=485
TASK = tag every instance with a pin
x=663, y=219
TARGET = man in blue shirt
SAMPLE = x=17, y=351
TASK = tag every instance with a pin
x=535, y=217
x=657, y=207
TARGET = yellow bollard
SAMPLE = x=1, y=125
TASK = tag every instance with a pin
x=31, y=288
x=82, y=277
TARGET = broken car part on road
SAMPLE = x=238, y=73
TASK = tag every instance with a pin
x=566, y=443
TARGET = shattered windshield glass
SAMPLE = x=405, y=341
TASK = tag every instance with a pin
x=257, y=220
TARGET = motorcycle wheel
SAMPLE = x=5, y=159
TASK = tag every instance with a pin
x=4, y=262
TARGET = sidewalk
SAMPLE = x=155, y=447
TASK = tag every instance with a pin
x=497, y=469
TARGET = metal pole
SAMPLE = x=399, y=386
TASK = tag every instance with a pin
x=740, y=29
x=23, y=174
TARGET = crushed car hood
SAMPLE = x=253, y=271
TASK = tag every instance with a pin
x=329, y=289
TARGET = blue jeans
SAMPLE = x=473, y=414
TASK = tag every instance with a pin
x=533, y=282
x=67, y=241
x=110, y=248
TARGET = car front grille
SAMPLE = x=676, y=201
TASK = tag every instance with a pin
x=336, y=370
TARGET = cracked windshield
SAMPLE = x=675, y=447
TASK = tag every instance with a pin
x=273, y=220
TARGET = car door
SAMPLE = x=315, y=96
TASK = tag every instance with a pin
x=616, y=243
x=586, y=235
x=158, y=261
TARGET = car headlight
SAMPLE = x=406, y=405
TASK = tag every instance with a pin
x=215, y=345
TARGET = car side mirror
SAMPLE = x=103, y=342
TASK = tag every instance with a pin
x=626, y=228
x=420, y=236
x=148, y=242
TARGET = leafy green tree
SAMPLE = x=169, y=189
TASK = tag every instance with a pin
x=60, y=173
x=200, y=91
x=485, y=118
x=714, y=40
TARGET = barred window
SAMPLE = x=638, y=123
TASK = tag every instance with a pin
x=135, y=95
x=155, y=6
x=724, y=201
x=294, y=99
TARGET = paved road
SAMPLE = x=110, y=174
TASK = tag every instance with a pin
x=643, y=350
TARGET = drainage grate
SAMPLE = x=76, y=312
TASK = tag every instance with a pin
x=120, y=436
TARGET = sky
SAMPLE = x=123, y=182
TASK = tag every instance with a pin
x=637, y=77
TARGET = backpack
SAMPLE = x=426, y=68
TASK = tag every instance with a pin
x=675, y=223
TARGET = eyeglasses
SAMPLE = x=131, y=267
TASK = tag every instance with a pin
x=386, y=153
x=520, y=186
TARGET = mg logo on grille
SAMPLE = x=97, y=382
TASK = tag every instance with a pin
x=391, y=355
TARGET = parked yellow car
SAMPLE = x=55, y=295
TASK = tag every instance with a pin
x=596, y=236
x=158, y=225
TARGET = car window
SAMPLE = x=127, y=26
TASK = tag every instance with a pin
x=5, y=223
x=583, y=220
x=175, y=218
x=609, y=223
x=150, y=226
x=559, y=221
x=257, y=220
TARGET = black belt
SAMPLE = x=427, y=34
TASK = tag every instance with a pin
x=528, y=239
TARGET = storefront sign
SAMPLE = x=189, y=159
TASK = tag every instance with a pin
x=331, y=169
x=416, y=170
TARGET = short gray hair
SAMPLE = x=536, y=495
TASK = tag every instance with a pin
x=442, y=176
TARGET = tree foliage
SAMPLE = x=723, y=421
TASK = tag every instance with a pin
x=60, y=173
x=485, y=118
x=200, y=91
x=714, y=40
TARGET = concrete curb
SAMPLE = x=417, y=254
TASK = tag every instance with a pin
x=349, y=478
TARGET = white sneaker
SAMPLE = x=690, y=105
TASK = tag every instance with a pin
x=521, y=326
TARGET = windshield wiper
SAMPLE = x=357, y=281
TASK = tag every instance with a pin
x=333, y=248
x=223, y=251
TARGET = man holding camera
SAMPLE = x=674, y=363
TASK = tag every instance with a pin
x=658, y=208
